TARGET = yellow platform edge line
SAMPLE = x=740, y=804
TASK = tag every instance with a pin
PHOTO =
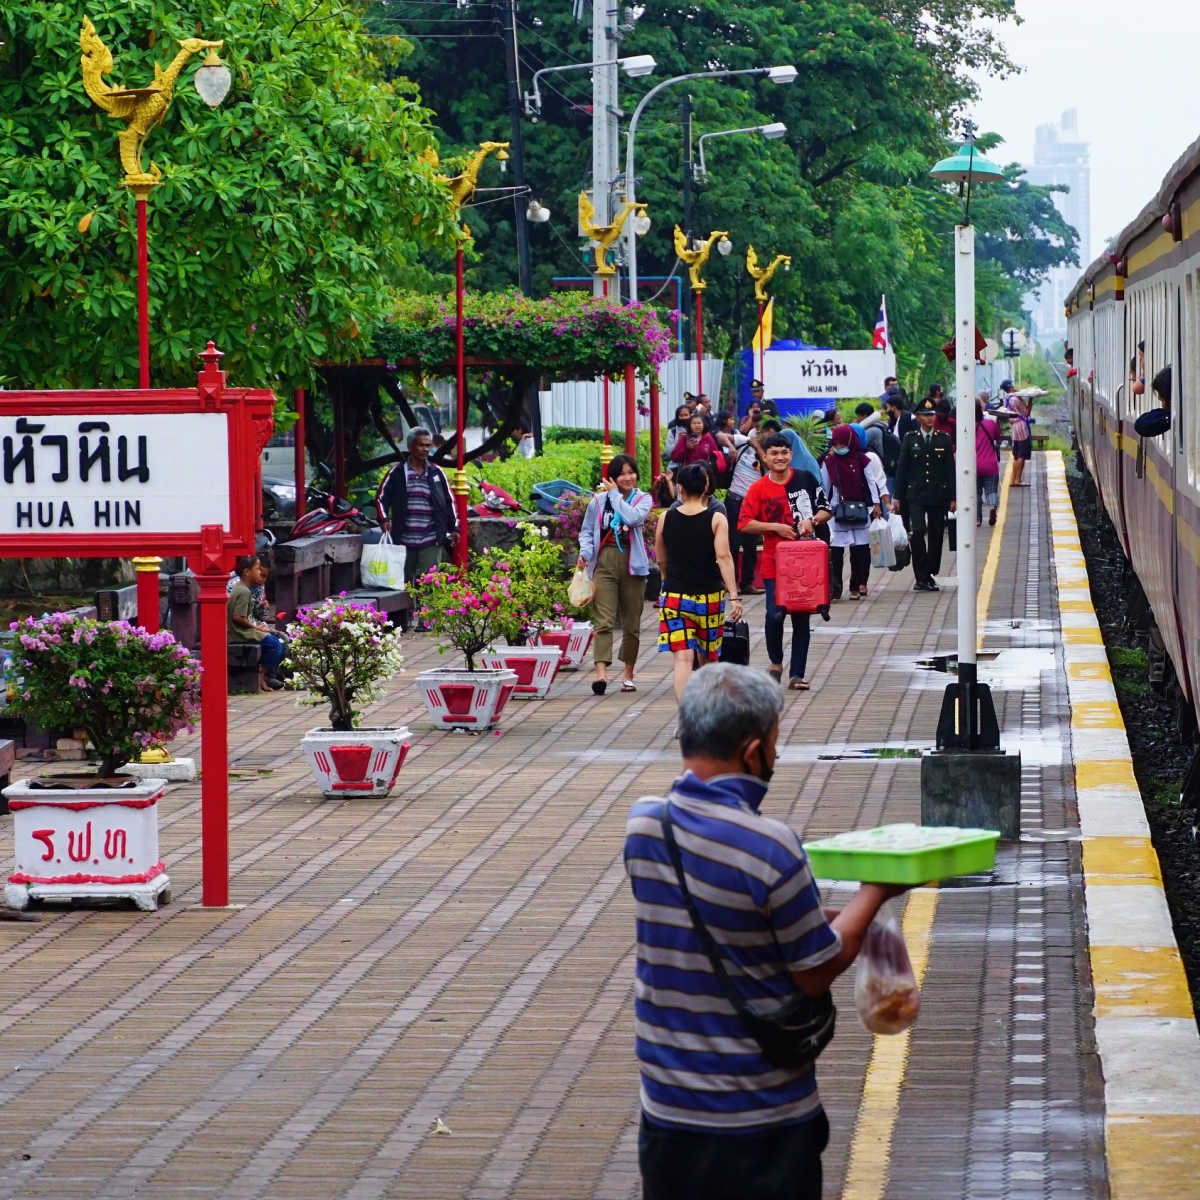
x=1150, y=1157
x=871, y=1146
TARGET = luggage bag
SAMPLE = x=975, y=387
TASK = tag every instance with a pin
x=735, y=643
x=802, y=575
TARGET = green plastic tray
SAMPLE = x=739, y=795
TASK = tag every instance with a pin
x=903, y=853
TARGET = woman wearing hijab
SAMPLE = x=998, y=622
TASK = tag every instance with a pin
x=613, y=551
x=1018, y=411
x=857, y=487
x=691, y=544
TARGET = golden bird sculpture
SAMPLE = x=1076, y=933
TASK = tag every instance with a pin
x=762, y=275
x=142, y=109
x=696, y=259
x=462, y=186
x=603, y=236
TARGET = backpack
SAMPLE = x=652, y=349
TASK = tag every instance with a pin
x=891, y=452
x=722, y=469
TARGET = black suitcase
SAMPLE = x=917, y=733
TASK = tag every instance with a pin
x=735, y=645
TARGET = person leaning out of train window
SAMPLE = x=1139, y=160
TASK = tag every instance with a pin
x=1158, y=420
x=1137, y=371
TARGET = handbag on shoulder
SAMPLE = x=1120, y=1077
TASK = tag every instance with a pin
x=790, y=1032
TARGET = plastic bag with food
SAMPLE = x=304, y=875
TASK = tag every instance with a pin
x=885, y=988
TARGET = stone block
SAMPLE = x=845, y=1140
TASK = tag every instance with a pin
x=972, y=789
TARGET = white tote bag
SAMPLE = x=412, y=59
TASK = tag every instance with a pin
x=382, y=565
x=883, y=552
x=899, y=533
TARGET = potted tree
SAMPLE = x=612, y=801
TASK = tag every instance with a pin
x=95, y=834
x=339, y=654
x=467, y=609
x=536, y=584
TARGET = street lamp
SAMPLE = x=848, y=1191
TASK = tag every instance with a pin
x=762, y=276
x=775, y=130
x=968, y=718
x=634, y=66
x=696, y=256
x=778, y=74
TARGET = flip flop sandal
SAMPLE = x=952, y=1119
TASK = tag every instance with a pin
x=798, y=685
x=599, y=687
x=627, y=685
x=776, y=673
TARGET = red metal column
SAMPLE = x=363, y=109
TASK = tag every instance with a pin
x=143, y=264
x=214, y=740
x=146, y=575
x=655, y=448
x=699, y=344
x=462, y=546
x=300, y=435
x=631, y=410
x=762, y=350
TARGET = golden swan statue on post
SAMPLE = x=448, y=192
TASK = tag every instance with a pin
x=603, y=236
x=140, y=108
x=762, y=275
x=696, y=259
x=462, y=186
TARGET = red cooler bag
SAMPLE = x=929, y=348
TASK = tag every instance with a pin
x=802, y=575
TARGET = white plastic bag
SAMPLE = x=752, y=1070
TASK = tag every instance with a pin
x=885, y=987
x=580, y=589
x=382, y=565
x=899, y=533
x=883, y=553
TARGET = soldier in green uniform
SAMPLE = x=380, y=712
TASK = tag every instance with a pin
x=924, y=491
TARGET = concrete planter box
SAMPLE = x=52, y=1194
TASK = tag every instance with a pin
x=574, y=642
x=86, y=844
x=535, y=667
x=462, y=699
x=356, y=762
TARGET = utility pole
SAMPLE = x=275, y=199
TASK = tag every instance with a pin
x=605, y=116
x=517, y=147
x=685, y=120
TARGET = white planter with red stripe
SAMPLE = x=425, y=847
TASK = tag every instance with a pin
x=535, y=667
x=574, y=642
x=356, y=762
x=86, y=844
x=461, y=699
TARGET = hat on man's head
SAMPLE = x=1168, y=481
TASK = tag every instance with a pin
x=928, y=405
x=756, y=383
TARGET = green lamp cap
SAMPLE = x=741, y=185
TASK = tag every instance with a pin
x=964, y=166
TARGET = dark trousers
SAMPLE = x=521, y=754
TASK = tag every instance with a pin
x=271, y=653
x=773, y=634
x=747, y=543
x=860, y=568
x=781, y=1163
x=926, y=528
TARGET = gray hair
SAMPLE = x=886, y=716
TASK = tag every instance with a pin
x=723, y=705
x=419, y=431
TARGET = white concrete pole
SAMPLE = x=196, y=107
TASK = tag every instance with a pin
x=964, y=464
x=604, y=119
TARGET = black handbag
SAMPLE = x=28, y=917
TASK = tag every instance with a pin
x=851, y=512
x=735, y=643
x=903, y=557
x=790, y=1032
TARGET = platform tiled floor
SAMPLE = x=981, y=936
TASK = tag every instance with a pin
x=463, y=951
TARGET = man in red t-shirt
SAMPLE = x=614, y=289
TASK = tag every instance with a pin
x=783, y=505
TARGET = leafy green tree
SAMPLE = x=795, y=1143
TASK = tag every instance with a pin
x=284, y=217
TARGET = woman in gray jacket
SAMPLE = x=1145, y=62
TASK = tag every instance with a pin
x=613, y=551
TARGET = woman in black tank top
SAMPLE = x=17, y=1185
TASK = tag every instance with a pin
x=691, y=543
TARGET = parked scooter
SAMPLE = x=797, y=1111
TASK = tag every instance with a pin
x=333, y=515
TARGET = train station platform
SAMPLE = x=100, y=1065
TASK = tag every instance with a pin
x=431, y=995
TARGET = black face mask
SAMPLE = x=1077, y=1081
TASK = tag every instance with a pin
x=764, y=772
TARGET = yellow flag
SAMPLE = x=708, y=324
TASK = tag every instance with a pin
x=768, y=314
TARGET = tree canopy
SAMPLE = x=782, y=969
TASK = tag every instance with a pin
x=284, y=217
x=846, y=192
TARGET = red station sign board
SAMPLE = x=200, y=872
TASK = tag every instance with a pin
x=122, y=473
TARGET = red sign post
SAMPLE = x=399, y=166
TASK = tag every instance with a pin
x=117, y=473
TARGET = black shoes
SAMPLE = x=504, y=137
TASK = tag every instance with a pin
x=599, y=687
x=926, y=585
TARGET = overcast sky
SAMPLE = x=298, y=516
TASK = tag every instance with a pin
x=1127, y=68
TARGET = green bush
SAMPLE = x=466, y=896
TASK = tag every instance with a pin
x=576, y=461
x=565, y=433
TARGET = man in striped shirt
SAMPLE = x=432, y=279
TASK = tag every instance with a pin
x=718, y=1118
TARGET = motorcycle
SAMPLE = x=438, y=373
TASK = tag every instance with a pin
x=333, y=515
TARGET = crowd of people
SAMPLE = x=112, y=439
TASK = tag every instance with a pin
x=893, y=458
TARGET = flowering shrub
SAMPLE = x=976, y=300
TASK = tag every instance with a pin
x=467, y=608
x=537, y=582
x=340, y=653
x=569, y=334
x=126, y=688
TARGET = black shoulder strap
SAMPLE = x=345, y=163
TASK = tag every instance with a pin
x=706, y=939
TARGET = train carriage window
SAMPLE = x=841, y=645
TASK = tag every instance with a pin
x=1187, y=410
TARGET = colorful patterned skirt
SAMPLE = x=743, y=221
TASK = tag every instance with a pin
x=692, y=622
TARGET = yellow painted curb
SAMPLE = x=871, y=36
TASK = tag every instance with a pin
x=1096, y=714
x=1140, y=981
x=1100, y=772
x=1152, y=1158
x=1120, y=860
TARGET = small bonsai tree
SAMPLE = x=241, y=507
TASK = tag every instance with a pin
x=340, y=653
x=125, y=688
x=468, y=608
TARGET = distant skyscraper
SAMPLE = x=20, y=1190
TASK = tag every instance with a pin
x=1059, y=156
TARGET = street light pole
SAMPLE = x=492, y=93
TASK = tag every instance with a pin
x=779, y=75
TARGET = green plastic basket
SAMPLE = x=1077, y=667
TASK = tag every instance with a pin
x=903, y=853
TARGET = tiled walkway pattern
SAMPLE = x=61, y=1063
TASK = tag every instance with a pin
x=461, y=952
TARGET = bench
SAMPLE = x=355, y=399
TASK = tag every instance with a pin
x=117, y=604
x=1039, y=440
x=308, y=569
x=243, y=660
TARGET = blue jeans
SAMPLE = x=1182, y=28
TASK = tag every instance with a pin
x=272, y=652
x=773, y=634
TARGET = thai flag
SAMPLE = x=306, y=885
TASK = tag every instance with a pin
x=879, y=338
